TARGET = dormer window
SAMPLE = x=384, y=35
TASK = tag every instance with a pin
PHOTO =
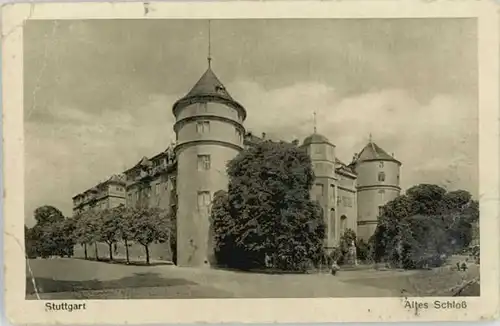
x=219, y=89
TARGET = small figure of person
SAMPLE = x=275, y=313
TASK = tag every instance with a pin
x=464, y=266
x=335, y=268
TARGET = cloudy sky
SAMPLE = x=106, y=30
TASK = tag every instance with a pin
x=98, y=94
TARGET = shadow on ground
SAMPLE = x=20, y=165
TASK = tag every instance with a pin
x=139, y=280
x=119, y=261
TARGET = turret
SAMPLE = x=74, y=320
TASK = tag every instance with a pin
x=209, y=132
x=378, y=183
x=322, y=153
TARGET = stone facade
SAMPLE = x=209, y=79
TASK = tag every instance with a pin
x=209, y=133
x=378, y=177
x=108, y=194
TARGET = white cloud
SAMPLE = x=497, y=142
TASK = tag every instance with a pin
x=436, y=141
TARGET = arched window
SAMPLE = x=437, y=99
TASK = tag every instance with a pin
x=381, y=176
x=343, y=224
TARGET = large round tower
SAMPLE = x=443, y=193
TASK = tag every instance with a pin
x=322, y=154
x=209, y=131
x=378, y=183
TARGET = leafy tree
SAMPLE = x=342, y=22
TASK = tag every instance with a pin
x=87, y=230
x=124, y=216
x=426, y=199
x=30, y=243
x=150, y=225
x=51, y=235
x=110, y=227
x=60, y=236
x=364, y=250
x=346, y=240
x=267, y=211
x=47, y=215
x=424, y=226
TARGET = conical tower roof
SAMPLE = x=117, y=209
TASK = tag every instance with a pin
x=208, y=86
x=373, y=152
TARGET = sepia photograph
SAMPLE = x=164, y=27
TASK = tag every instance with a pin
x=244, y=158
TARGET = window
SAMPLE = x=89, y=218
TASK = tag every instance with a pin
x=203, y=162
x=332, y=193
x=380, y=210
x=381, y=176
x=204, y=199
x=157, y=189
x=317, y=149
x=219, y=89
x=202, y=127
x=203, y=107
x=381, y=165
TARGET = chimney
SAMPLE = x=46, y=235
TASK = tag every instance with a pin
x=263, y=135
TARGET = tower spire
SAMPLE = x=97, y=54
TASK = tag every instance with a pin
x=370, y=138
x=209, y=57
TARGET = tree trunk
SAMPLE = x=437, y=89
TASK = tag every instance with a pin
x=126, y=251
x=110, y=245
x=85, y=250
x=96, y=252
x=147, y=253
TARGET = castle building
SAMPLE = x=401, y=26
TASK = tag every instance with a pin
x=210, y=132
x=377, y=183
x=107, y=194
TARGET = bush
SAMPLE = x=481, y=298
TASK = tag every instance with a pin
x=364, y=251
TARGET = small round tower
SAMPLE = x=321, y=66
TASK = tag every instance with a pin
x=322, y=153
x=377, y=183
x=209, y=133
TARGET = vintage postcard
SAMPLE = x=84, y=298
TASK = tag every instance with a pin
x=250, y=162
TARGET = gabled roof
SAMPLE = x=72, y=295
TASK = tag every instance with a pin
x=373, y=152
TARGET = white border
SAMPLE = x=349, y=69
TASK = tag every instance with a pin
x=21, y=311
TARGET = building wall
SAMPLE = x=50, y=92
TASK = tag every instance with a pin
x=324, y=188
x=197, y=182
x=209, y=108
x=368, y=173
x=194, y=205
x=375, y=192
x=347, y=206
